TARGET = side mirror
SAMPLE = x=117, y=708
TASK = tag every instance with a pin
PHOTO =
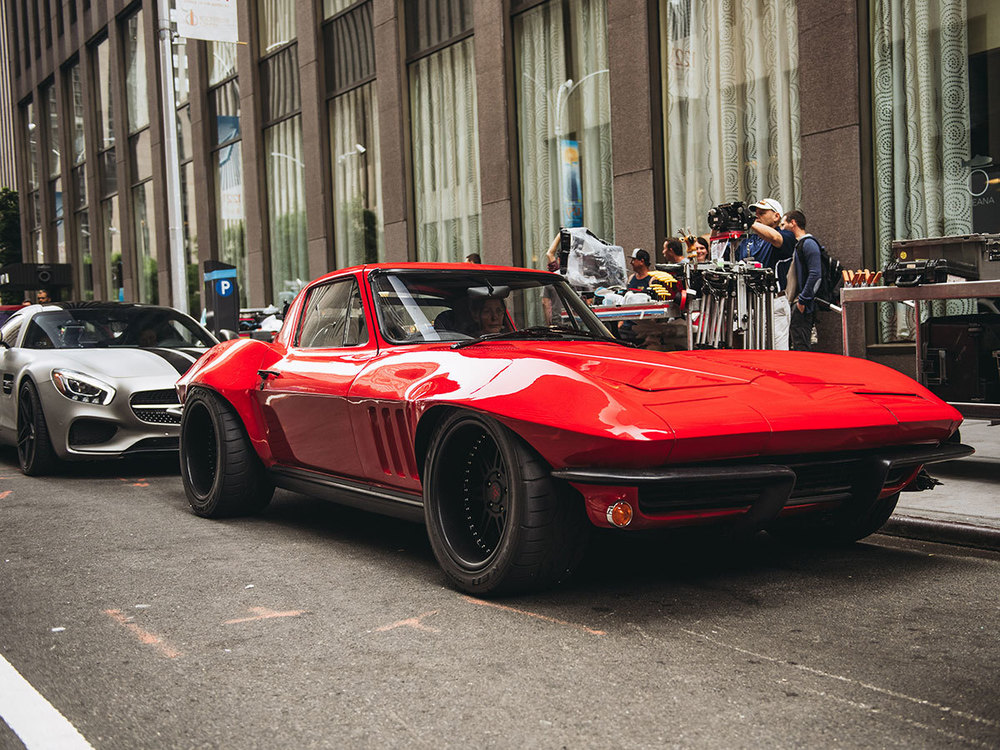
x=227, y=335
x=263, y=335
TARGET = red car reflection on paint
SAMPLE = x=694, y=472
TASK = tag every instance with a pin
x=490, y=403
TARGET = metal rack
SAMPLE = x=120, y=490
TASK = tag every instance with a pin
x=916, y=295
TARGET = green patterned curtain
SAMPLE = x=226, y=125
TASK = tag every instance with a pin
x=920, y=87
x=731, y=105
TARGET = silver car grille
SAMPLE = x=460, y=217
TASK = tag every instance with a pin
x=153, y=406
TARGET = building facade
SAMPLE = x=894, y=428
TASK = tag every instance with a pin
x=338, y=132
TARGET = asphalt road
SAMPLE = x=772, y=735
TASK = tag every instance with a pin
x=317, y=626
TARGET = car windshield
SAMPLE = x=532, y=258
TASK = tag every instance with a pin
x=468, y=306
x=93, y=327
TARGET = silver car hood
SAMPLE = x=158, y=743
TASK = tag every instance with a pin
x=123, y=363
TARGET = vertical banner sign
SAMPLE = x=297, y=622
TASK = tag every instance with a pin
x=213, y=20
x=572, y=195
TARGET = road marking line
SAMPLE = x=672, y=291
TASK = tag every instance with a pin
x=850, y=681
x=412, y=622
x=143, y=635
x=36, y=722
x=525, y=612
x=3, y=495
x=263, y=613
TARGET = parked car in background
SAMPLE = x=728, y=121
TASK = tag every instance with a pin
x=493, y=405
x=86, y=380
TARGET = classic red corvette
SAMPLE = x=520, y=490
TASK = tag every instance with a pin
x=492, y=404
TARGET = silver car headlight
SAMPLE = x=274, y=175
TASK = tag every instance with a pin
x=83, y=388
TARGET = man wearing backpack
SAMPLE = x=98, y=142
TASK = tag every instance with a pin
x=807, y=277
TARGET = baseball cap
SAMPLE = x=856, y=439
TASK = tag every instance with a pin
x=770, y=203
x=641, y=254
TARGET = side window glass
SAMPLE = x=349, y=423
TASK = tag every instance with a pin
x=10, y=330
x=333, y=317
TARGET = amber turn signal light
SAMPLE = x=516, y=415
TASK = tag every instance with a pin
x=620, y=514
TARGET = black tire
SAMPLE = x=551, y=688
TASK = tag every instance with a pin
x=222, y=474
x=497, y=521
x=34, y=446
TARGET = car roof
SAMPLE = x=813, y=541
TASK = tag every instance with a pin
x=444, y=267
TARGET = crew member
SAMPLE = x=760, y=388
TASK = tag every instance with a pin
x=808, y=272
x=657, y=284
x=673, y=250
x=768, y=244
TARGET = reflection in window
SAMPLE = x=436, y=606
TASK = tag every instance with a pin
x=276, y=24
x=221, y=61
x=136, y=98
x=564, y=121
x=445, y=134
x=112, y=236
x=147, y=285
x=357, y=182
x=76, y=104
x=230, y=218
x=286, y=208
x=731, y=105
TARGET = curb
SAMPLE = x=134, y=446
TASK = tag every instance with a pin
x=946, y=532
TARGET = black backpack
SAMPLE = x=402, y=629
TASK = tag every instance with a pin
x=831, y=277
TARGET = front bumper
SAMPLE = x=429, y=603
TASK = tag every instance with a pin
x=751, y=494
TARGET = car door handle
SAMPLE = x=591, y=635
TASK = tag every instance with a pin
x=265, y=374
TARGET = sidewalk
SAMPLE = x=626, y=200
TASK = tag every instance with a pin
x=965, y=508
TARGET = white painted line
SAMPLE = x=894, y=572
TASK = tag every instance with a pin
x=32, y=718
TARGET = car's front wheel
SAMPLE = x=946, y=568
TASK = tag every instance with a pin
x=497, y=521
x=222, y=474
x=34, y=447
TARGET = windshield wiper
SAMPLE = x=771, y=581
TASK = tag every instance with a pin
x=537, y=332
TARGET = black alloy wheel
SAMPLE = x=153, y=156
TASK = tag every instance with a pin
x=34, y=446
x=497, y=521
x=222, y=474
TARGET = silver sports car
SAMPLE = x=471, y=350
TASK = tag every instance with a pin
x=84, y=380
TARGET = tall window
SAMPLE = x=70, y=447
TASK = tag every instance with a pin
x=185, y=159
x=730, y=105
x=935, y=71
x=78, y=188
x=227, y=160
x=33, y=204
x=141, y=159
x=54, y=163
x=564, y=121
x=283, y=156
x=444, y=128
x=354, y=150
x=107, y=188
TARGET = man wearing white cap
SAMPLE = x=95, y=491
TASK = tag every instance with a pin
x=771, y=247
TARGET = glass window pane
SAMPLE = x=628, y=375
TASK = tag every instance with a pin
x=433, y=22
x=147, y=285
x=136, y=96
x=76, y=103
x=445, y=136
x=225, y=103
x=189, y=197
x=221, y=61
x=112, y=236
x=349, y=49
x=230, y=220
x=333, y=7
x=52, y=121
x=86, y=260
x=286, y=206
x=58, y=224
x=31, y=130
x=109, y=172
x=276, y=23
x=731, y=121
x=80, y=187
x=141, y=156
x=357, y=182
x=279, y=81
x=184, y=133
x=333, y=317
x=564, y=121
x=103, y=94
x=182, y=85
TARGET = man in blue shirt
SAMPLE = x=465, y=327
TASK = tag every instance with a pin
x=769, y=245
x=808, y=271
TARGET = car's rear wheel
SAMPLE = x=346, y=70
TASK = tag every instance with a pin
x=497, y=521
x=222, y=474
x=34, y=446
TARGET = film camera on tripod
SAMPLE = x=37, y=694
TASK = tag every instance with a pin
x=728, y=222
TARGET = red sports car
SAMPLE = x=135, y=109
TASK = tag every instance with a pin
x=491, y=403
